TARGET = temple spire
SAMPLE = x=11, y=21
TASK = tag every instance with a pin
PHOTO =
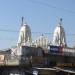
x=59, y=38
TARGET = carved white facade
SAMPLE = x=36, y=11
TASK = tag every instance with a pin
x=59, y=38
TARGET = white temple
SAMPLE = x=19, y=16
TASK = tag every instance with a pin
x=59, y=38
x=24, y=39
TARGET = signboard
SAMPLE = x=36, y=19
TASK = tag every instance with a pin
x=56, y=49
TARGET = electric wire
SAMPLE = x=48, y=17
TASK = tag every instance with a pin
x=51, y=6
x=70, y=34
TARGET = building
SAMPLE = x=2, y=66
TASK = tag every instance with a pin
x=29, y=52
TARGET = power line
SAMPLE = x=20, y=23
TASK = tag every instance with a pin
x=51, y=6
x=71, y=34
x=3, y=30
x=9, y=31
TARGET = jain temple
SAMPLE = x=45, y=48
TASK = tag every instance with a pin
x=40, y=56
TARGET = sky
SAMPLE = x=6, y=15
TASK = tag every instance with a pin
x=41, y=15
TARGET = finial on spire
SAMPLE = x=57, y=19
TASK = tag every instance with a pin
x=22, y=20
x=60, y=21
x=42, y=34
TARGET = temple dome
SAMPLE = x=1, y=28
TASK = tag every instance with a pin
x=42, y=41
